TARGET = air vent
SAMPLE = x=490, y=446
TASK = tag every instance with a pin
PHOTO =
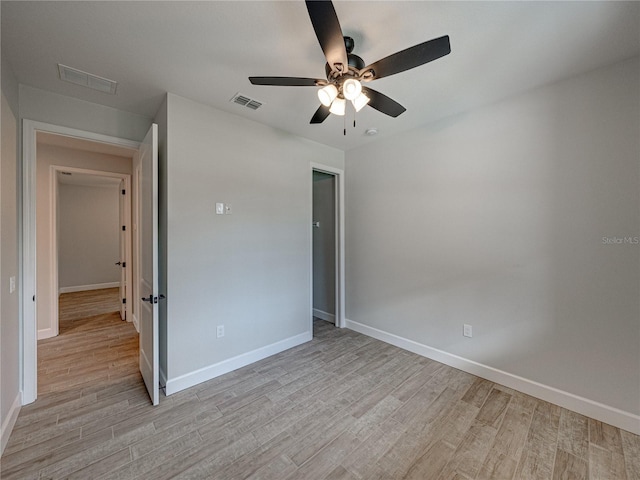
x=89, y=80
x=246, y=101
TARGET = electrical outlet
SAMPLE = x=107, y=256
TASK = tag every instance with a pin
x=12, y=284
x=220, y=331
x=467, y=330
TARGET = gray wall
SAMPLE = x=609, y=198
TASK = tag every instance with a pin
x=9, y=250
x=496, y=218
x=324, y=243
x=89, y=235
x=249, y=270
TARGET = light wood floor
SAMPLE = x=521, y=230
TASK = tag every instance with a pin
x=341, y=407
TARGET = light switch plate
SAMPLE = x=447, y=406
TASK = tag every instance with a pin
x=12, y=284
x=219, y=208
x=227, y=209
x=467, y=330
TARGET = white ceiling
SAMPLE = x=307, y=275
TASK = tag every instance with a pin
x=206, y=50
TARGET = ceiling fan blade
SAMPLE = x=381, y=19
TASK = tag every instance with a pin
x=410, y=58
x=382, y=103
x=321, y=114
x=287, y=81
x=327, y=27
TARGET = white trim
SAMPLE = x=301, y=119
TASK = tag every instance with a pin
x=9, y=422
x=86, y=288
x=187, y=380
x=329, y=317
x=28, y=321
x=54, y=327
x=339, y=318
x=134, y=320
x=44, y=333
x=605, y=413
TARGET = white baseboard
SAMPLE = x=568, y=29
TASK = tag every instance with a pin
x=134, y=320
x=182, y=382
x=9, y=422
x=84, y=288
x=329, y=317
x=46, y=333
x=605, y=413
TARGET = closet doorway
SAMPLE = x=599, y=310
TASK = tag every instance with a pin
x=327, y=261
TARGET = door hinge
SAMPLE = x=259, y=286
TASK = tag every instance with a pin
x=124, y=192
x=124, y=228
x=34, y=298
x=124, y=300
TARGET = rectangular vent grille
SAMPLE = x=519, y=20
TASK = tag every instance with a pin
x=246, y=101
x=89, y=80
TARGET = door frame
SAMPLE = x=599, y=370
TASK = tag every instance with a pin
x=338, y=174
x=28, y=319
x=53, y=237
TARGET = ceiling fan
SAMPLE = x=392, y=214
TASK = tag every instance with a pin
x=346, y=71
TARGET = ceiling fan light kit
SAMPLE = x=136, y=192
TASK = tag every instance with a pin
x=338, y=107
x=327, y=94
x=346, y=71
x=360, y=102
x=351, y=89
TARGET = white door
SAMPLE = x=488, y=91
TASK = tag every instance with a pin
x=123, y=255
x=148, y=274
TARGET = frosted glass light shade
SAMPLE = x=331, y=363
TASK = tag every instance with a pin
x=351, y=89
x=327, y=94
x=338, y=106
x=360, y=101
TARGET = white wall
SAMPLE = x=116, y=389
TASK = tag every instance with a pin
x=48, y=155
x=9, y=322
x=496, y=218
x=89, y=235
x=248, y=271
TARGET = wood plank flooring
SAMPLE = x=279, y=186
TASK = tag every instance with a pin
x=341, y=407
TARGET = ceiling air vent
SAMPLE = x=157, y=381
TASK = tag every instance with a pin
x=78, y=77
x=246, y=101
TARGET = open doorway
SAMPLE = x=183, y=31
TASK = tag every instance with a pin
x=80, y=218
x=91, y=241
x=65, y=176
x=327, y=260
x=141, y=158
x=324, y=246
